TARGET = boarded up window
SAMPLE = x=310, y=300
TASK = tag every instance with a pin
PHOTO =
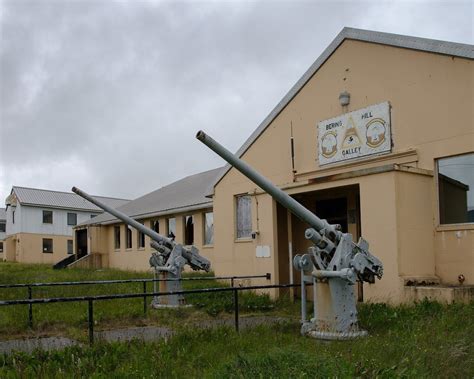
x=117, y=237
x=456, y=189
x=70, y=247
x=244, y=216
x=209, y=228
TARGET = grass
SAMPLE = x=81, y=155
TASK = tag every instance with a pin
x=71, y=318
x=424, y=340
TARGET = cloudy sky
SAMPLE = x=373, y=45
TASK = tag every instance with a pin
x=108, y=95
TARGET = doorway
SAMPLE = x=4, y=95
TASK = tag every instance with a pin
x=81, y=243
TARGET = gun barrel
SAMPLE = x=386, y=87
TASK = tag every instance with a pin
x=122, y=216
x=280, y=196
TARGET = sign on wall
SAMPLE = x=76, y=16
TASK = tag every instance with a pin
x=355, y=134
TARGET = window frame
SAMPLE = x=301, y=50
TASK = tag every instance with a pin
x=128, y=232
x=204, y=229
x=52, y=217
x=140, y=239
x=236, y=219
x=71, y=214
x=185, y=230
x=70, y=243
x=446, y=227
x=168, y=227
x=52, y=246
x=118, y=229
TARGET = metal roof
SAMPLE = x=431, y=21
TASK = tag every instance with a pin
x=184, y=195
x=57, y=199
x=3, y=214
x=396, y=40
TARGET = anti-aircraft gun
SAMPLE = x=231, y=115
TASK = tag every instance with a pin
x=169, y=259
x=334, y=263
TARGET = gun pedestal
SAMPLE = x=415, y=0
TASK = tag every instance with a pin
x=169, y=259
x=333, y=264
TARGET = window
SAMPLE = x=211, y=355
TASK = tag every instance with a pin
x=72, y=219
x=244, y=216
x=456, y=189
x=47, y=217
x=70, y=245
x=1, y=247
x=155, y=225
x=141, y=240
x=47, y=245
x=188, y=230
x=172, y=227
x=13, y=217
x=128, y=244
x=2, y=227
x=92, y=216
x=117, y=237
x=208, y=228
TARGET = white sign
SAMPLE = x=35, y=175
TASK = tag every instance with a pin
x=355, y=134
x=263, y=252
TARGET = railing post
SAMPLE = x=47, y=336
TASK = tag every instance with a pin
x=144, y=299
x=91, y=322
x=232, y=281
x=30, y=308
x=236, y=309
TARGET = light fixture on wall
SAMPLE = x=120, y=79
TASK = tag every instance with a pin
x=344, y=98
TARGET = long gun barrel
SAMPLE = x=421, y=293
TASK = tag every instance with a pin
x=281, y=197
x=126, y=219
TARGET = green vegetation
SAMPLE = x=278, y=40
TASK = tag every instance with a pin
x=425, y=340
x=71, y=318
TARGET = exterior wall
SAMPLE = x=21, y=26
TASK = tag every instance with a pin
x=431, y=101
x=30, y=220
x=28, y=248
x=136, y=259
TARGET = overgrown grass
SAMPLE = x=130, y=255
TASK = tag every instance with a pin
x=72, y=317
x=423, y=341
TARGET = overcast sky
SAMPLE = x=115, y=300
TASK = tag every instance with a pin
x=108, y=95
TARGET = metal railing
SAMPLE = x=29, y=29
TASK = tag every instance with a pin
x=90, y=300
x=30, y=286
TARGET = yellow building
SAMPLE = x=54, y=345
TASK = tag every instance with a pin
x=378, y=136
x=383, y=137
x=180, y=209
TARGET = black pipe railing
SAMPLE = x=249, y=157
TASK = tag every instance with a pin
x=30, y=286
x=90, y=300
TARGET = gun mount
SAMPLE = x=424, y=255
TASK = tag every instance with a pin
x=334, y=263
x=169, y=259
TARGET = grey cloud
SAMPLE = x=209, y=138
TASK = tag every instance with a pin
x=108, y=95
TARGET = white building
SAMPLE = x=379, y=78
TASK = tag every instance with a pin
x=39, y=223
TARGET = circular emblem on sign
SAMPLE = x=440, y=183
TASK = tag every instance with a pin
x=329, y=144
x=375, y=132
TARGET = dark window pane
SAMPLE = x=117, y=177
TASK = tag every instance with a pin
x=117, y=237
x=188, y=230
x=72, y=219
x=2, y=227
x=129, y=237
x=141, y=240
x=209, y=228
x=47, y=245
x=47, y=217
x=456, y=189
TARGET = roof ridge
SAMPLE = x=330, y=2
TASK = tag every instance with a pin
x=64, y=192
